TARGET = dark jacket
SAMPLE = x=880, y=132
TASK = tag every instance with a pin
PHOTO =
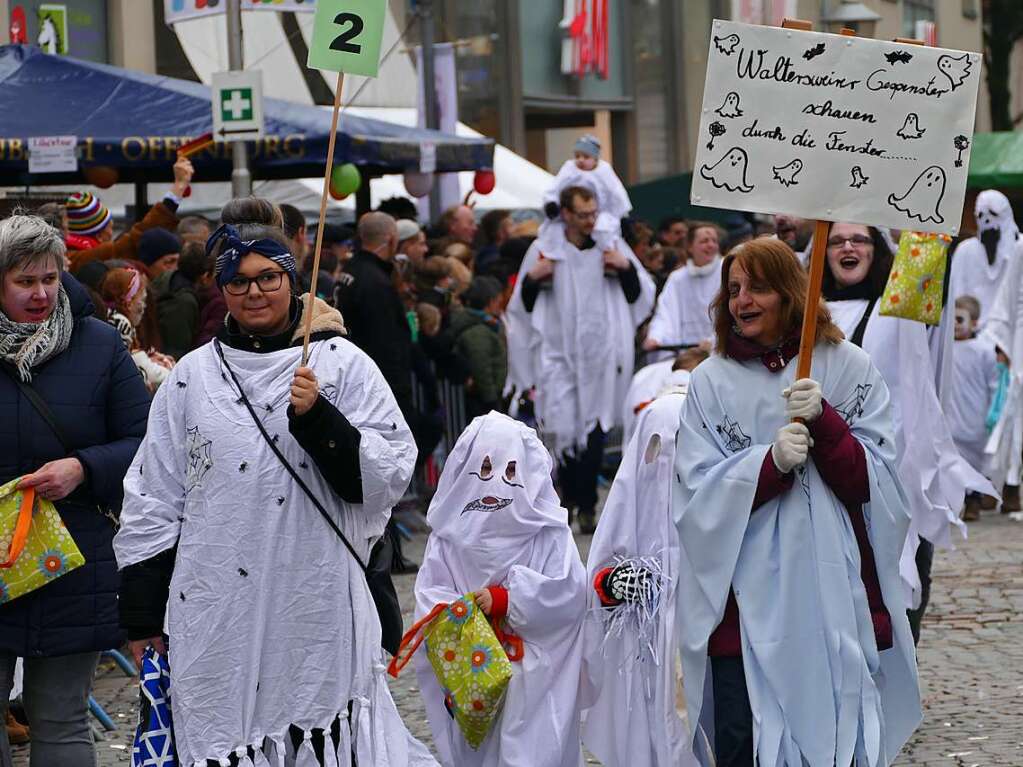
x=375, y=318
x=98, y=398
x=212, y=312
x=177, y=311
x=479, y=340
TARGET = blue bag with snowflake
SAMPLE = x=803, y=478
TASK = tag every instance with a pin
x=154, y=736
x=471, y=664
x=35, y=546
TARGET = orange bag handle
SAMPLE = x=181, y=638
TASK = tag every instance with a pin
x=412, y=639
x=510, y=641
x=21, y=528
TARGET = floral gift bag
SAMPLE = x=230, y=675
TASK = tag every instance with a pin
x=916, y=284
x=35, y=546
x=469, y=660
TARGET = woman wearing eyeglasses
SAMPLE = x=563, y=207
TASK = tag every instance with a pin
x=274, y=640
x=935, y=476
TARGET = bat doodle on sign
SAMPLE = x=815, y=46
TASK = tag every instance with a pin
x=922, y=200
x=812, y=53
x=729, y=172
x=896, y=57
x=787, y=173
x=911, y=127
x=727, y=45
x=955, y=68
x=858, y=179
x=731, y=106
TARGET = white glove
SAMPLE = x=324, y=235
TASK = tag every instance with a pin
x=803, y=400
x=791, y=447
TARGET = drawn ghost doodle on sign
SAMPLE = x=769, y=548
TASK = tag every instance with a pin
x=729, y=172
x=812, y=53
x=923, y=199
x=858, y=179
x=731, y=106
x=961, y=144
x=955, y=68
x=726, y=45
x=895, y=57
x=786, y=174
x=911, y=127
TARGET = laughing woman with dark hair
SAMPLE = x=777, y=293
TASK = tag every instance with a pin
x=790, y=518
x=936, y=477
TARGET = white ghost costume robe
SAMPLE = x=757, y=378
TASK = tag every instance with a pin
x=936, y=477
x=631, y=651
x=647, y=383
x=976, y=380
x=818, y=687
x=271, y=621
x=971, y=274
x=495, y=533
x=683, y=308
x=577, y=344
x=613, y=201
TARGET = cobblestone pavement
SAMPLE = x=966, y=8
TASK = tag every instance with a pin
x=971, y=660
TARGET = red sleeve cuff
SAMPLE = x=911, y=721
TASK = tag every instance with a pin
x=500, y=607
x=829, y=427
x=598, y=585
x=771, y=482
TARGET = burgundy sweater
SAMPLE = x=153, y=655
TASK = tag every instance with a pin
x=841, y=462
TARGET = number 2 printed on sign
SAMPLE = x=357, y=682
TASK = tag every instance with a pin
x=341, y=42
x=347, y=35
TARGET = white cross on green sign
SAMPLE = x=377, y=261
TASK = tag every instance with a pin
x=236, y=104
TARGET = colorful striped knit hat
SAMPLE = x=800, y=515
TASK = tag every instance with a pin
x=86, y=214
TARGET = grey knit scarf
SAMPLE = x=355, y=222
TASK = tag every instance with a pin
x=25, y=345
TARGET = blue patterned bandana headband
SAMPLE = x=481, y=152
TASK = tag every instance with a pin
x=235, y=249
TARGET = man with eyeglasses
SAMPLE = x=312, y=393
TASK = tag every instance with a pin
x=571, y=326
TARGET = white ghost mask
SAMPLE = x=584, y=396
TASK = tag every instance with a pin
x=496, y=491
x=994, y=211
x=923, y=199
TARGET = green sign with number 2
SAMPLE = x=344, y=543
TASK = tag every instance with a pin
x=347, y=36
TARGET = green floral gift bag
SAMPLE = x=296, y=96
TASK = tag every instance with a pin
x=917, y=282
x=469, y=660
x=35, y=546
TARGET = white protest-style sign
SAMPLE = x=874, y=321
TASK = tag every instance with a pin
x=237, y=105
x=836, y=128
x=52, y=154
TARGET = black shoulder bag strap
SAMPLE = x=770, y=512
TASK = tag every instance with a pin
x=40, y=405
x=384, y=596
x=861, y=328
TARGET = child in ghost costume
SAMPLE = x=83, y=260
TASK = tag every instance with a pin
x=499, y=530
x=586, y=169
x=650, y=381
x=977, y=375
x=979, y=263
x=795, y=645
x=274, y=636
x=630, y=635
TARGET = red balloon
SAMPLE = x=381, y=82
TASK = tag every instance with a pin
x=335, y=194
x=102, y=176
x=484, y=181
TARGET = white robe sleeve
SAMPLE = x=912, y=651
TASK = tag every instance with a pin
x=666, y=325
x=615, y=199
x=154, y=487
x=551, y=600
x=387, y=450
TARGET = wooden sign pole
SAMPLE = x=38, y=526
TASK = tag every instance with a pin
x=323, y=215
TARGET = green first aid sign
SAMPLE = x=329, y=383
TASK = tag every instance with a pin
x=347, y=36
x=236, y=104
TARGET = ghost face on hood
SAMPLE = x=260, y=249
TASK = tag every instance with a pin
x=995, y=220
x=496, y=487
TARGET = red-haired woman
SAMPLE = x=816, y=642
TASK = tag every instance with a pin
x=124, y=290
x=791, y=518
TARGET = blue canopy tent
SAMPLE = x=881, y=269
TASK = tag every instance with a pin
x=134, y=122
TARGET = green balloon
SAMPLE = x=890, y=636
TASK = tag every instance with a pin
x=345, y=179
